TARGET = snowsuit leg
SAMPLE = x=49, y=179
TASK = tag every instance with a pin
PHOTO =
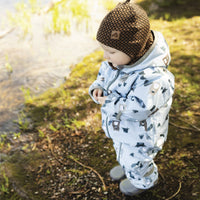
x=139, y=168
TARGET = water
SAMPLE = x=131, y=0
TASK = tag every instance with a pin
x=37, y=62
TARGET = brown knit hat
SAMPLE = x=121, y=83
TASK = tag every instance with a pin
x=127, y=29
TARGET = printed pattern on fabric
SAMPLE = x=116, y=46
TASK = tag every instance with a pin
x=139, y=168
x=138, y=99
x=135, y=114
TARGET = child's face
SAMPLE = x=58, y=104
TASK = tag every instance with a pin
x=115, y=56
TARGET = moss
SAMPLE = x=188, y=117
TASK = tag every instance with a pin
x=22, y=182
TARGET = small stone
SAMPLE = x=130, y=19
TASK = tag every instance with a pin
x=63, y=190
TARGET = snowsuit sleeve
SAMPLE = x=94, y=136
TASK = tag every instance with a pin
x=98, y=83
x=150, y=92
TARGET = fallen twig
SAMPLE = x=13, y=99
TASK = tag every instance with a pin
x=162, y=176
x=197, y=114
x=79, y=192
x=75, y=160
x=190, y=124
x=179, y=188
x=51, y=5
x=183, y=127
x=3, y=34
x=88, y=167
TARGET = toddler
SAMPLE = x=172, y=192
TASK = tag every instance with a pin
x=135, y=90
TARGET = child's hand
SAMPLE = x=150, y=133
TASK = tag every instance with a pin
x=102, y=100
x=97, y=93
x=98, y=96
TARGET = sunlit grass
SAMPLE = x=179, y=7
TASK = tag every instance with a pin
x=66, y=12
x=21, y=19
x=182, y=36
x=109, y=4
x=59, y=15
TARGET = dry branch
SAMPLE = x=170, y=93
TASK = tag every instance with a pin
x=75, y=160
x=88, y=167
x=183, y=127
x=179, y=188
x=4, y=33
x=51, y=5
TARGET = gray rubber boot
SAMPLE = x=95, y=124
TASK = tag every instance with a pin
x=117, y=173
x=128, y=189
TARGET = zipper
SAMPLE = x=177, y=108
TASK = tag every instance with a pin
x=144, y=123
x=107, y=127
x=116, y=76
x=120, y=147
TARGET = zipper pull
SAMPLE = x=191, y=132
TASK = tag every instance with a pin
x=116, y=124
x=144, y=123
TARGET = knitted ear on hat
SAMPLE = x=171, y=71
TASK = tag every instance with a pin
x=127, y=29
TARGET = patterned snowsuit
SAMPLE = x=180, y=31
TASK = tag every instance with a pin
x=135, y=113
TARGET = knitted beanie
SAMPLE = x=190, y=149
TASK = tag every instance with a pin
x=127, y=29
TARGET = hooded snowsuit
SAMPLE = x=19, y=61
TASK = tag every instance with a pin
x=135, y=114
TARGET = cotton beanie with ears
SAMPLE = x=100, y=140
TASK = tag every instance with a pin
x=127, y=29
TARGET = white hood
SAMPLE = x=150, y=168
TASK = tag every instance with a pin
x=154, y=56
